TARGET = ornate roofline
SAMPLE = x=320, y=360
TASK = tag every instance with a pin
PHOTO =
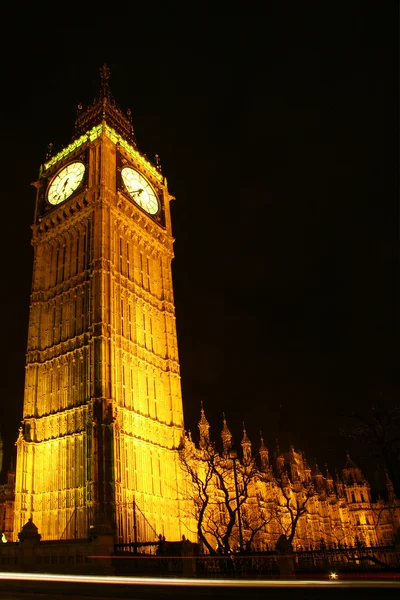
x=105, y=108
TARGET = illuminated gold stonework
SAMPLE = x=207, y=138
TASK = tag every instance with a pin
x=102, y=415
x=115, y=137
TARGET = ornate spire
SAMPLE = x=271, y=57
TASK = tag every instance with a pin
x=318, y=477
x=277, y=449
x=264, y=454
x=246, y=446
x=350, y=464
x=204, y=428
x=351, y=472
x=105, y=92
x=329, y=481
x=226, y=436
x=328, y=475
x=104, y=108
x=338, y=484
x=389, y=487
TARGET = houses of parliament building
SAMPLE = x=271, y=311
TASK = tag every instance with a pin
x=102, y=433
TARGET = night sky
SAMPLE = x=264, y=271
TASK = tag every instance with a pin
x=278, y=135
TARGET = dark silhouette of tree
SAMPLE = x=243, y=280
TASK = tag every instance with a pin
x=295, y=498
x=217, y=507
x=379, y=430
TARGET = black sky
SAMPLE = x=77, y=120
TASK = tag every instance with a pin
x=278, y=134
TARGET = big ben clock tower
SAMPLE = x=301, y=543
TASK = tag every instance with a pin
x=102, y=415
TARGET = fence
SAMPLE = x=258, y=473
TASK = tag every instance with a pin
x=98, y=555
x=258, y=565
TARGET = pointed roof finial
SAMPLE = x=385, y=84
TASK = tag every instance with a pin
x=204, y=428
x=104, y=77
x=226, y=435
x=104, y=108
x=263, y=447
x=350, y=464
x=245, y=439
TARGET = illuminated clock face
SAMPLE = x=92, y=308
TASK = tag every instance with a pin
x=140, y=190
x=65, y=182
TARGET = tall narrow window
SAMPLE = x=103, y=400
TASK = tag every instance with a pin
x=160, y=479
x=161, y=280
x=77, y=256
x=123, y=384
x=73, y=316
x=128, y=265
x=141, y=268
x=53, y=324
x=48, y=270
x=152, y=472
x=85, y=262
x=131, y=386
x=147, y=395
x=155, y=397
x=129, y=321
x=122, y=317
x=147, y=273
x=60, y=324
x=151, y=345
x=57, y=265
x=62, y=263
x=120, y=255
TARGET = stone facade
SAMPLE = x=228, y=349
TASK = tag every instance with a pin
x=102, y=433
x=7, y=503
x=283, y=496
x=102, y=413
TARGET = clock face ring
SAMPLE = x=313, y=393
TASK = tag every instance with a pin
x=65, y=182
x=140, y=190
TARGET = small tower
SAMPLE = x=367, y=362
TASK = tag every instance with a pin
x=339, y=485
x=351, y=472
x=246, y=447
x=226, y=437
x=264, y=455
x=390, y=488
x=357, y=488
x=204, y=428
x=307, y=471
x=329, y=481
x=318, y=478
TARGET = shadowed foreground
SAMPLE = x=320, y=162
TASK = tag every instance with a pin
x=50, y=587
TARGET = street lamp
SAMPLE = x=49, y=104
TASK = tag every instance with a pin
x=233, y=457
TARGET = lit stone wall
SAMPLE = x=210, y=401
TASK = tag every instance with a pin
x=102, y=405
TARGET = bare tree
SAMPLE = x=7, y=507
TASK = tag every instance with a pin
x=256, y=516
x=218, y=504
x=379, y=430
x=294, y=497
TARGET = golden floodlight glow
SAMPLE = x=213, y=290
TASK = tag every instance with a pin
x=103, y=415
x=116, y=138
